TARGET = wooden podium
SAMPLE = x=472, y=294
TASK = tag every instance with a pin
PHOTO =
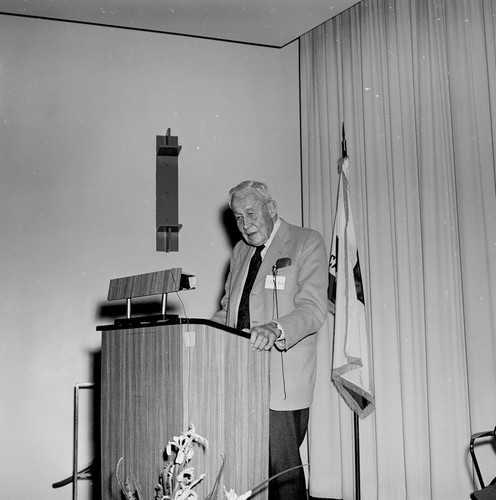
x=160, y=376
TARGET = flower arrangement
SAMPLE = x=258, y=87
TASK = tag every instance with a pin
x=177, y=479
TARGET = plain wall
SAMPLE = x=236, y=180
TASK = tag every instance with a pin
x=80, y=108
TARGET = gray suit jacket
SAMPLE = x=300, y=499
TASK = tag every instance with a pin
x=300, y=308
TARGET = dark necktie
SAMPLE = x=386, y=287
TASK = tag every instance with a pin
x=244, y=304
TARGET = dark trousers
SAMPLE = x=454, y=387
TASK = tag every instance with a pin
x=287, y=430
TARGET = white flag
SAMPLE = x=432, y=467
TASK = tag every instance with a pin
x=350, y=364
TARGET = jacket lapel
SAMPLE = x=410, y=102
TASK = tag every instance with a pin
x=277, y=249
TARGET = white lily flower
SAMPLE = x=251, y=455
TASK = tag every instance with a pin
x=231, y=495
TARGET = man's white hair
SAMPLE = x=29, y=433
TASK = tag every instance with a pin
x=259, y=187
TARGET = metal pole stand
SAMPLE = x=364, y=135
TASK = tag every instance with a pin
x=75, y=474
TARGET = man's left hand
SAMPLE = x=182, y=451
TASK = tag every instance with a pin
x=263, y=337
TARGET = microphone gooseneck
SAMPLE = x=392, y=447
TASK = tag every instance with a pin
x=280, y=263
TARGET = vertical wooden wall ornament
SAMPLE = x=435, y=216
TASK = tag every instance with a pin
x=167, y=193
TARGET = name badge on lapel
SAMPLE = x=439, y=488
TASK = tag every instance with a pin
x=280, y=282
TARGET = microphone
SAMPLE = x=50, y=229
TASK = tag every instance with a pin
x=280, y=263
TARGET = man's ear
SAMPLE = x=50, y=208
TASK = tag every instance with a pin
x=272, y=205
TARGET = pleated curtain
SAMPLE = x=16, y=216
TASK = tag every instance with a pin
x=414, y=83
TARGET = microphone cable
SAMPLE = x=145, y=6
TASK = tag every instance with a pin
x=276, y=307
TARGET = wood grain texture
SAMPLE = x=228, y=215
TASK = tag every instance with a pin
x=141, y=285
x=155, y=383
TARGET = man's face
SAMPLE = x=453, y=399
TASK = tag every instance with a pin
x=255, y=218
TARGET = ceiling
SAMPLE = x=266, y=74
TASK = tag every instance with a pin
x=273, y=23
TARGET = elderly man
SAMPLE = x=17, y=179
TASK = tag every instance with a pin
x=282, y=317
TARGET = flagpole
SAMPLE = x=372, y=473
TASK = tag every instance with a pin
x=356, y=427
x=357, y=455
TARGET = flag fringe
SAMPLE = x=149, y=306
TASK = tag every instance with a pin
x=346, y=388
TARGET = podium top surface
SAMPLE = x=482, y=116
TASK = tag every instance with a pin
x=159, y=320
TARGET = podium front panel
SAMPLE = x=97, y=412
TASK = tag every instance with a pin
x=158, y=380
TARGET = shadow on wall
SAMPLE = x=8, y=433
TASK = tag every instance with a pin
x=107, y=312
x=233, y=236
x=96, y=470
